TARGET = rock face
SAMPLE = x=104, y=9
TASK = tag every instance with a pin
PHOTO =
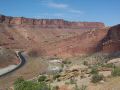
x=58, y=23
x=111, y=42
x=57, y=37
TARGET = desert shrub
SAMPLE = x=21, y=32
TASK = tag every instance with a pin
x=66, y=62
x=116, y=71
x=83, y=87
x=33, y=53
x=29, y=85
x=94, y=70
x=109, y=65
x=36, y=52
x=96, y=78
x=56, y=76
x=85, y=63
x=19, y=80
x=72, y=81
x=21, y=84
x=55, y=88
x=42, y=78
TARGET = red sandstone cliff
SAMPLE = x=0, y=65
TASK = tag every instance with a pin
x=111, y=42
x=58, y=37
x=58, y=23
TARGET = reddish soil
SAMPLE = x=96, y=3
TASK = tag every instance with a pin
x=58, y=37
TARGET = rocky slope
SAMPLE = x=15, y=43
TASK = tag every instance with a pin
x=111, y=42
x=57, y=37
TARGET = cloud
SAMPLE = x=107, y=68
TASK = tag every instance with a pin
x=62, y=6
x=58, y=5
x=75, y=11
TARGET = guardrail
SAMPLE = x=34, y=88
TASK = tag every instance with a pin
x=22, y=62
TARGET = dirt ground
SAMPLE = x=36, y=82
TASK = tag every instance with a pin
x=32, y=68
x=111, y=84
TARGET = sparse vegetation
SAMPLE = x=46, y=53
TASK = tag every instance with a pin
x=55, y=88
x=19, y=80
x=56, y=76
x=83, y=87
x=85, y=63
x=21, y=84
x=72, y=81
x=66, y=62
x=33, y=53
x=96, y=78
x=116, y=71
x=94, y=70
x=109, y=65
x=42, y=78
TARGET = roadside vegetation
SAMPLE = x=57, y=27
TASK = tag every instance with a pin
x=92, y=68
x=21, y=84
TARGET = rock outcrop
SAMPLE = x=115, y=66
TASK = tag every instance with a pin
x=50, y=23
x=111, y=42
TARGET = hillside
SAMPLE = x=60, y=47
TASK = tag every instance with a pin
x=7, y=57
x=56, y=37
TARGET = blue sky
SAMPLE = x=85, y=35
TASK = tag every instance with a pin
x=107, y=11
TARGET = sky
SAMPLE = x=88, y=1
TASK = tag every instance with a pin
x=106, y=11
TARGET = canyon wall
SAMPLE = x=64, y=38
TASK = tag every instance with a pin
x=57, y=23
x=56, y=37
x=111, y=42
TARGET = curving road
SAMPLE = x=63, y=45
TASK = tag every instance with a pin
x=22, y=62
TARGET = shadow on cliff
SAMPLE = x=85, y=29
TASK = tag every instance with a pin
x=111, y=42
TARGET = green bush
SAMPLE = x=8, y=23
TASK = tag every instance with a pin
x=42, y=78
x=96, y=78
x=56, y=76
x=66, y=62
x=72, y=81
x=116, y=71
x=29, y=85
x=109, y=65
x=19, y=80
x=85, y=63
x=94, y=70
x=55, y=88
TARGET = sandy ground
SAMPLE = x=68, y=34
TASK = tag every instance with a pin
x=111, y=84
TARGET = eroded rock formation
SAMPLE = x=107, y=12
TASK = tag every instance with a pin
x=58, y=23
x=111, y=42
x=56, y=37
